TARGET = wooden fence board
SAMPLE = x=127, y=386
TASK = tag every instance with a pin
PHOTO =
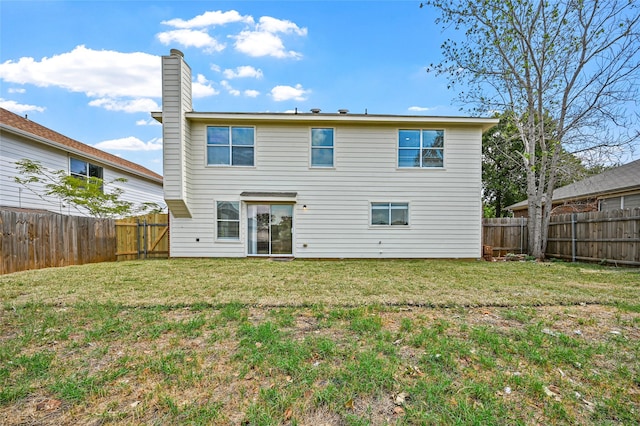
x=609, y=236
x=40, y=239
x=505, y=235
x=143, y=237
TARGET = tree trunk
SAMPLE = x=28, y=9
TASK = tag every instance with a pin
x=536, y=226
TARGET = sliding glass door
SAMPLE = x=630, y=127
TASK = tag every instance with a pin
x=270, y=229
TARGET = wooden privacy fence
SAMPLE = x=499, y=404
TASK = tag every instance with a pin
x=505, y=235
x=609, y=236
x=41, y=239
x=143, y=237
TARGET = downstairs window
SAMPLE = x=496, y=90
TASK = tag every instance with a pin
x=389, y=214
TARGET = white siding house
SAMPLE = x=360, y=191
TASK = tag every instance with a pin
x=21, y=138
x=317, y=185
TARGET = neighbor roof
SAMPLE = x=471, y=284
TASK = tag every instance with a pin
x=619, y=179
x=20, y=125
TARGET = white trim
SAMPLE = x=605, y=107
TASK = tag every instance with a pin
x=230, y=126
x=244, y=229
x=427, y=121
x=390, y=226
x=421, y=167
x=218, y=239
x=88, y=163
x=333, y=149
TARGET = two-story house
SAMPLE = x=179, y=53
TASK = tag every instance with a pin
x=318, y=185
x=21, y=138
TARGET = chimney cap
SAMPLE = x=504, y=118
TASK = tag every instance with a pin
x=176, y=52
x=315, y=110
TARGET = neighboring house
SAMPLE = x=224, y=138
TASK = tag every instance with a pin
x=316, y=185
x=21, y=138
x=617, y=188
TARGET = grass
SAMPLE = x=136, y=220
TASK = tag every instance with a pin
x=339, y=342
x=346, y=283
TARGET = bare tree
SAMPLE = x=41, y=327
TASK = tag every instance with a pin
x=568, y=69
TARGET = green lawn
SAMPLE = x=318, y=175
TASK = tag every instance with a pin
x=255, y=342
x=344, y=283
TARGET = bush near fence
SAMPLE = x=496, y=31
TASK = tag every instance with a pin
x=611, y=236
x=42, y=239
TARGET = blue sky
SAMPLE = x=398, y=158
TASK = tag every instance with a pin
x=91, y=69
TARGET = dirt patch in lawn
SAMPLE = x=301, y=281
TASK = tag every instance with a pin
x=245, y=365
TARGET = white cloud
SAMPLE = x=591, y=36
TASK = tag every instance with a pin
x=245, y=71
x=128, y=105
x=97, y=73
x=201, y=88
x=191, y=38
x=262, y=43
x=16, y=90
x=420, y=109
x=261, y=39
x=231, y=90
x=19, y=108
x=274, y=25
x=211, y=18
x=215, y=67
x=130, y=143
x=251, y=93
x=285, y=93
x=149, y=122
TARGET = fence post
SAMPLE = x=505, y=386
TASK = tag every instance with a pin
x=144, y=237
x=521, y=234
x=573, y=237
x=138, y=238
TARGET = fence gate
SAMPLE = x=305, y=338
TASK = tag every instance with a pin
x=143, y=237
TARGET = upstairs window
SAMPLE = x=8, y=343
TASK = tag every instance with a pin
x=421, y=148
x=321, y=147
x=230, y=146
x=82, y=169
x=389, y=214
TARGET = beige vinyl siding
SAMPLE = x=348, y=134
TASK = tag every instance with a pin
x=444, y=204
x=176, y=98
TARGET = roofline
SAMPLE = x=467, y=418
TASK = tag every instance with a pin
x=618, y=192
x=67, y=148
x=484, y=123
